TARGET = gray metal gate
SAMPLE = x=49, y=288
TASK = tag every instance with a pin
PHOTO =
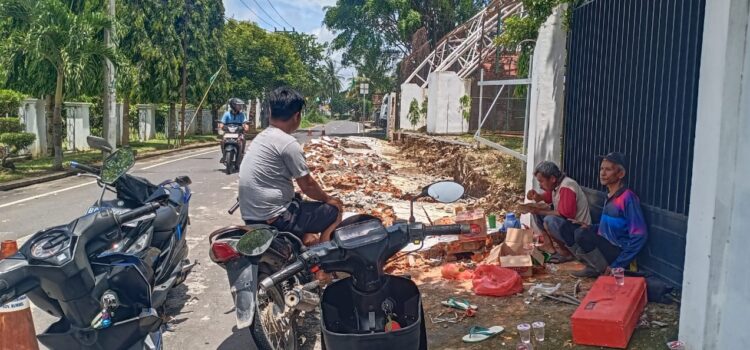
x=632, y=86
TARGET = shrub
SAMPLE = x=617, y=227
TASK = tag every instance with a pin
x=9, y=102
x=10, y=124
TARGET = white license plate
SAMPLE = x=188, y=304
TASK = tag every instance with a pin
x=231, y=136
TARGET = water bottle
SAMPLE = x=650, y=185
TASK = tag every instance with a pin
x=510, y=222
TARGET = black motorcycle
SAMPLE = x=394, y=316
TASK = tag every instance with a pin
x=368, y=310
x=107, y=273
x=232, y=147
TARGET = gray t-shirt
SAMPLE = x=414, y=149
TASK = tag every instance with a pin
x=272, y=161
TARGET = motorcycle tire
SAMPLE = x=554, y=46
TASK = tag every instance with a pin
x=229, y=162
x=256, y=329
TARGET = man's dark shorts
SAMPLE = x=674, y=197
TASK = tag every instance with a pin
x=305, y=217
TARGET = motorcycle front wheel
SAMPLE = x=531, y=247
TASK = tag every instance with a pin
x=271, y=328
x=229, y=162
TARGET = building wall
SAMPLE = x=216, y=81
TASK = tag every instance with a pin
x=716, y=287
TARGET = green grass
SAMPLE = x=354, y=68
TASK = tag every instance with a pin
x=40, y=166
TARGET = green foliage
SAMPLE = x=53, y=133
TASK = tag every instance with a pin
x=17, y=140
x=9, y=102
x=258, y=61
x=415, y=113
x=10, y=124
x=315, y=117
x=465, y=101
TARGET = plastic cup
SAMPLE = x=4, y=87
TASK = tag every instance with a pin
x=538, y=330
x=619, y=274
x=492, y=220
x=524, y=331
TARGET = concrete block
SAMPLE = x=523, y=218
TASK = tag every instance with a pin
x=77, y=125
x=409, y=93
x=32, y=113
x=444, y=110
x=146, y=122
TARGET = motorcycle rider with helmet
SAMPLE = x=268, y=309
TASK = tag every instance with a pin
x=234, y=116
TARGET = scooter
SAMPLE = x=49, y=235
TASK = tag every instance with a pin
x=368, y=310
x=105, y=274
x=232, y=147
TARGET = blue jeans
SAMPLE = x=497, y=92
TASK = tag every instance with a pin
x=558, y=227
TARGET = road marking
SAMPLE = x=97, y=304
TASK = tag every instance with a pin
x=178, y=159
x=93, y=182
x=46, y=194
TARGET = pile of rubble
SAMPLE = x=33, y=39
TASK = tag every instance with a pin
x=355, y=173
x=495, y=179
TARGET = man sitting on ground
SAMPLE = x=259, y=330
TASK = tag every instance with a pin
x=273, y=160
x=568, y=203
x=621, y=233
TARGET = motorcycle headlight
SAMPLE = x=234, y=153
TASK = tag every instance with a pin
x=141, y=243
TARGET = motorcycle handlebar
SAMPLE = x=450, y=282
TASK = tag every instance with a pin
x=442, y=230
x=282, y=275
x=138, y=212
x=86, y=168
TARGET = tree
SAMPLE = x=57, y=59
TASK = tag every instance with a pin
x=12, y=137
x=311, y=52
x=258, y=61
x=55, y=38
x=330, y=79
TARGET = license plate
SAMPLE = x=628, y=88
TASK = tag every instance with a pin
x=233, y=136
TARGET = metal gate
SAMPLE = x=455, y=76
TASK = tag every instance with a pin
x=632, y=86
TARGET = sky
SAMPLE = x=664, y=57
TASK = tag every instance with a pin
x=304, y=15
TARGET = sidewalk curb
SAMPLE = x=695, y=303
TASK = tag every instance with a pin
x=11, y=185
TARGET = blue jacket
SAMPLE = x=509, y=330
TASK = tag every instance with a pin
x=622, y=224
x=230, y=118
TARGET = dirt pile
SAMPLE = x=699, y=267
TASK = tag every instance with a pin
x=497, y=180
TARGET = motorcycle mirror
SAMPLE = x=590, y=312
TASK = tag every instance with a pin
x=116, y=165
x=256, y=241
x=99, y=143
x=444, y=191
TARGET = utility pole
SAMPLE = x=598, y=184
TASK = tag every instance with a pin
x=110, y=96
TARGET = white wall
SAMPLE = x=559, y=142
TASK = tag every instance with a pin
x=410, y=92
x=716, y=281
x=32, y=114
x=77, y=125
x=146, y=122
x=547, y=95
x=444, y=111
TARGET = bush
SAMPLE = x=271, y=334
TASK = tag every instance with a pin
x=9, y=102
x=17, y=141
x=10, y=125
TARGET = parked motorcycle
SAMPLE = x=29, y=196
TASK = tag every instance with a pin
x=105, y=274
x=232, y=147
x=368, y=310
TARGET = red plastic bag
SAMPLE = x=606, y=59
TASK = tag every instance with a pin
x=496, y=281
x=455, y=272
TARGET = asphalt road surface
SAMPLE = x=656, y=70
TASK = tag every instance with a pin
x=201, y=310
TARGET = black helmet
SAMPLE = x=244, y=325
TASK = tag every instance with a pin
x=236, y=103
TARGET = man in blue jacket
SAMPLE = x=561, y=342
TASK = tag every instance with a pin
x=622, y=231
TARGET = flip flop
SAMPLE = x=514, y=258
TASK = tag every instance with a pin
x=460, y=304
x=559, y=259
x=478, y=334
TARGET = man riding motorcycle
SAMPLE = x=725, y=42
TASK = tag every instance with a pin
x=234, y=116
x=273, y=160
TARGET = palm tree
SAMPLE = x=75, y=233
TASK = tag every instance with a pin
x=332, y=77
x=62, y=38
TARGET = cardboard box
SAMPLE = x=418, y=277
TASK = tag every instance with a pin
x=514, y=253
x=473, y=217
x=609, y=313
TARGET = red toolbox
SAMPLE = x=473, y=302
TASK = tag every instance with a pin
x=609, y=313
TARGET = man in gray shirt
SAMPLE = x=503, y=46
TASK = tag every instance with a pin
x=273, y=160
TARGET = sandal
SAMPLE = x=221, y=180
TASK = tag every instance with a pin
x=460, y=304
x=478, y=334
x=560, y=259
